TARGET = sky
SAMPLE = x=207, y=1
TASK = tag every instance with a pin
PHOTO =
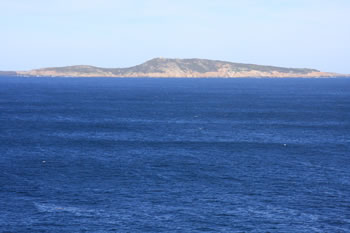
x=119, y=33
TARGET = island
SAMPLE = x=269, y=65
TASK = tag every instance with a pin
x=178, y=68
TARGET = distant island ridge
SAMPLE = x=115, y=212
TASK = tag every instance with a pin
x=177, y=68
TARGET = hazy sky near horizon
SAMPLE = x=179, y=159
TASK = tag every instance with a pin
x=113, y=33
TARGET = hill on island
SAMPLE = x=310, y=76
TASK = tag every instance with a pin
x=184, y=68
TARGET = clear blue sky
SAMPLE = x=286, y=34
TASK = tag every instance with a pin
x=113, y=33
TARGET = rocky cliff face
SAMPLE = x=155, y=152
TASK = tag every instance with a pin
x=184, y=68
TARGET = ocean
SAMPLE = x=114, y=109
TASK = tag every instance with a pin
x=174, y=155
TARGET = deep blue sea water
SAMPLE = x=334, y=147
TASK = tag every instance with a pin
x=174, y=155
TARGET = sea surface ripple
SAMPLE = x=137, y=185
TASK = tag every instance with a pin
x=174, y=155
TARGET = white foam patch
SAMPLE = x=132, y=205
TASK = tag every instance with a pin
x=53, y=208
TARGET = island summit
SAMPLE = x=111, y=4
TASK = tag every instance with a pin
x=178, y=68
